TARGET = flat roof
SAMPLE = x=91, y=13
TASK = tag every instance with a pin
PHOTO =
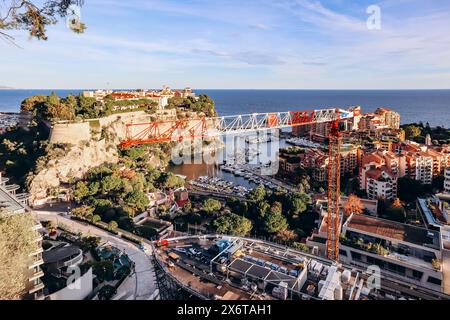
x=395, y=230
x=9, y=202
x=59, y=254
x=277, y=277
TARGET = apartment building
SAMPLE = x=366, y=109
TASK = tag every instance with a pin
x=403, y=252
x=378, y=182
x=447, y=181
x=160, y=97
x=424, y=166
x=17, y=204
x=389, y=118
x=291, y=159
x=379, y=173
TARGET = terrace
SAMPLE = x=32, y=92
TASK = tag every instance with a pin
x=408, y=244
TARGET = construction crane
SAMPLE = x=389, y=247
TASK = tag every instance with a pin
x=334, y=191
x=208, y=127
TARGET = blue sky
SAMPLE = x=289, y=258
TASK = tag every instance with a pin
x=295, y=44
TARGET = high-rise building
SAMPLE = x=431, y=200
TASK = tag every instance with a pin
x=390, y=118
x=16, y=204
x=447, y=181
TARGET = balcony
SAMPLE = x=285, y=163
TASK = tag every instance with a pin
x=388, y=253
x=37, y=275
x=36, y=263
x=39, y=285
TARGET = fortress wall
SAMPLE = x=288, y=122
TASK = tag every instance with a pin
x=74, y=133
x=71, y=133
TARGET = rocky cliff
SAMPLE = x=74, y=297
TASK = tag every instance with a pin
x=82, y=146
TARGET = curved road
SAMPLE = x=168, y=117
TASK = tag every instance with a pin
x=141, y=285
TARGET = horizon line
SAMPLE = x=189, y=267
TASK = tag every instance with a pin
x=255, y=89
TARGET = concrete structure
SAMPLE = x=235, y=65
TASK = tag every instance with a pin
x=61, y=260
x=447, y=181
x=79, y=290
x=223, y=267
x=389, y=118
x=424, y=168
x=14, y=203
x=402, y=252
x=379, y=183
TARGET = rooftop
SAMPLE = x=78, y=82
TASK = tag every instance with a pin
x=394, y=230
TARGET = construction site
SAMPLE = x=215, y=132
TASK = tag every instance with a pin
x=233, y=268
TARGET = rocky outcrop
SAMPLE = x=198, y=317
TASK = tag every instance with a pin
x=89, y=144
x=74, y=164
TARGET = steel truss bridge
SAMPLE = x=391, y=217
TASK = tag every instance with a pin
x=209, y=127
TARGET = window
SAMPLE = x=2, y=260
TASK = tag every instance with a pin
x=355, y=255
x=433, y=280
x=343, y=252
x=417, y=274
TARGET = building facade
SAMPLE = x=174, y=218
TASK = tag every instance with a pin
x=403, y=252
x=15, y=203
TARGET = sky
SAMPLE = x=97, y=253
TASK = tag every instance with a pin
x=246, y=44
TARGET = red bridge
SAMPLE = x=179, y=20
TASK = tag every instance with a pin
x=204, y=127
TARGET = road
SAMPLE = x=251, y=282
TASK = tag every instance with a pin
x=141, y=285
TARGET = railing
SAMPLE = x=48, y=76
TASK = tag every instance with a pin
x=78, y=259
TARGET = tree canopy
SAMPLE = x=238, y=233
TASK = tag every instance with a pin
x=211, y=206
x=353, y=205
x=16, y=244
x=35, y=18
x=233, y=224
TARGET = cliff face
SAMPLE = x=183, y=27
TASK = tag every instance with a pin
x=86, y=148
x=90, y=144
x=74, y=164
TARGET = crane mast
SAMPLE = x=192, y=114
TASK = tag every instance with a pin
x=334, y=192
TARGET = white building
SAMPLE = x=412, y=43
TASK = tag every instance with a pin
x=447, y=181
x=403, y=252
x=379, y=183
x=424, y=168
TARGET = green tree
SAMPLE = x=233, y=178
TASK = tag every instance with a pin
x=104, y=270
x=110, y=183
x=106, y=292
x=238, y=206
x=81, y=190
x=274, y=223
x=35, y=17
x=299, y=203
x=233, y=224
x=16, y=244
x=211, y=206
x=412, y=132
x=257, y=194
x=96, y=218
x=112, y=226
x=138, y=200
x=171, y=181
x=84, y=212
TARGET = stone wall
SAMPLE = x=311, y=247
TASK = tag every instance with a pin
x=74, y=133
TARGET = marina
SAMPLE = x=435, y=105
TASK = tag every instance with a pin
x=300, y=142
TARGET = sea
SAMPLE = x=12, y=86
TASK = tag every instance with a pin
x=432, y=106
